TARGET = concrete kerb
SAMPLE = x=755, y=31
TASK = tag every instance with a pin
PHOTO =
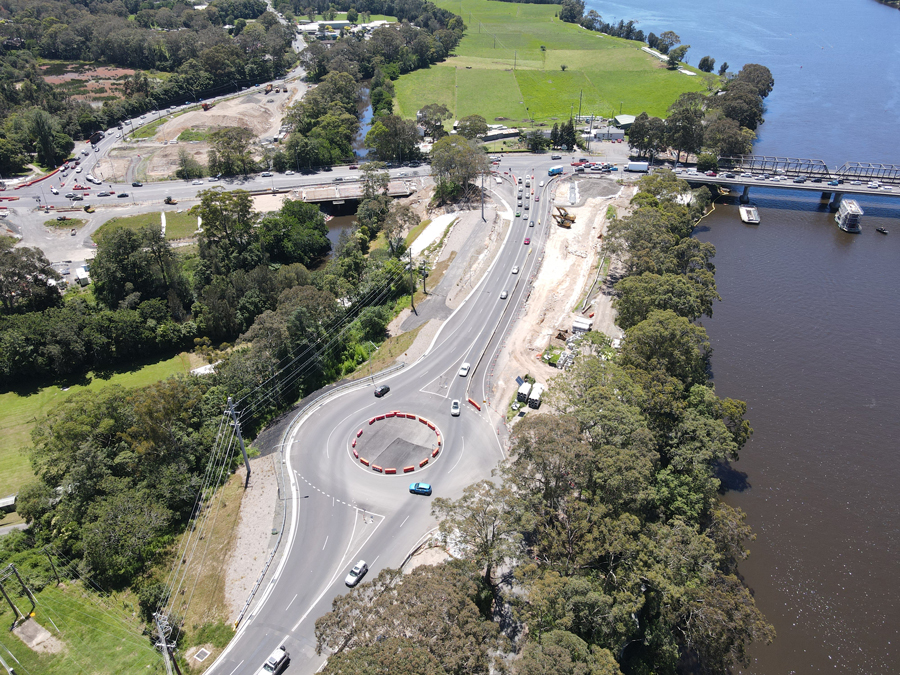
x=312, y=406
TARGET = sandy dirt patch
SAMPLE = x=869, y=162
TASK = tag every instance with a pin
x=433, y=555
x=267, y=203
x=254, y=533
x=568, y=269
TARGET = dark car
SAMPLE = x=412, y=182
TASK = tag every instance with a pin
x=420, y=489
x=381, y=390
x=137, y=184
x=122, y=195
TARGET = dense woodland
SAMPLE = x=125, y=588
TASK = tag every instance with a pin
x=602, y=546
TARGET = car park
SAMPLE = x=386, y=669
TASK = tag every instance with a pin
x=381, y=390
x=504, y=295
x=515, y=270
x=276, y=662
x=454, y=408
x=356, y=574
x=464, y=369
x=421, y=488
x=527, y=240
x=137, y=184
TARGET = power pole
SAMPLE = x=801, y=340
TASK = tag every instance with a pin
x=237, y=428
x=412, y=284
x=580, y=97
x=482, y=198
x=163, y=629
x=52, y=566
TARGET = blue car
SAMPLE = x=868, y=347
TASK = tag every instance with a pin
x=420, y=489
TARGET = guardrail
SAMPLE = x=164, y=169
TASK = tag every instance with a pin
x=316, y=402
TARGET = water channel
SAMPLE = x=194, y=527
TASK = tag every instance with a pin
x=808, y=332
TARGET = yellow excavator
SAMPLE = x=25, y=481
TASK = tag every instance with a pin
x=563, y=218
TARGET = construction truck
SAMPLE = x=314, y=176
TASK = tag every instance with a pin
x=563, y=218
x=269, y=88
x=169, y=200
x=207, y=106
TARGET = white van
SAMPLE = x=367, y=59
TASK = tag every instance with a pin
x=276, y=662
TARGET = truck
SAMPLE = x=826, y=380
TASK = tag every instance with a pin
x=269, y=88
x=581, y=325
x=96, y=137
x=524, y=390
x=639, y=167
x=555, y=171
x=534, y=398
x=206, y=106
x=81, y=276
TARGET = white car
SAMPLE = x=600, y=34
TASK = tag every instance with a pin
x=541, y=184
x=515, y=270
x=276, y=662
x=266, y=174
x=356, y=574
x=504, y=295
x=54, y=190
x=464, y=369
x=197, y=182
x=78, y=169
x=288, y=173
x=454, y=408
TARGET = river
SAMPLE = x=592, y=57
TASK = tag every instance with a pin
x=808, y=332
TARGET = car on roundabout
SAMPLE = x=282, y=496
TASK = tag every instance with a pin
x=381, y=390
x=464, y=369
x=454, y=408
x=356, y=574
x=420, y=489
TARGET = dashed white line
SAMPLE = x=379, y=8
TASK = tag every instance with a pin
x=326, y=543
x=404, y=521
x=291, y=603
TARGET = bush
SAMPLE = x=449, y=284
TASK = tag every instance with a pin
x=707, y=162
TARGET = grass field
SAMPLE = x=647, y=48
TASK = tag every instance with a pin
x=195, y=135
x=149, y=130
x=178, y=225
x=19, y=413
x=97, y=636
x=501, y=73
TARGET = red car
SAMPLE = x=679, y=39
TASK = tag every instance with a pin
x=578, y=163
x=712, y=174
x=354, y=166
x=79, y=187
x=527, y=240
x=537, y=198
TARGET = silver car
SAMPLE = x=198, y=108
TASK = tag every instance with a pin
x=356, y=574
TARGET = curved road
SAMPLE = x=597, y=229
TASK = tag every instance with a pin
x=341, y=511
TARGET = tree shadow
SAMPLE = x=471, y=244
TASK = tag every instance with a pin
x=730, y=479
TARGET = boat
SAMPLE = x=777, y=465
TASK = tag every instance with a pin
x=749, y=214
x=848, y=216
x=881, y=229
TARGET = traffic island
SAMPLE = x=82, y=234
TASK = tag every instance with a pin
x=396, y=442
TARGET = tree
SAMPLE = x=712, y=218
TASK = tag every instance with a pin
x=647, y=135
x=563, y=67
x=457, y=162
x=536, y=141
x=684, y=125
x=571, y=11
x=296, y=234
x=723, y=68
x=230, y=154
x=706, y=64
x=707, y=161
x=393, y=138
x=392, y=656
x=432, y=117
x=228, y=219
x=672, y=344
x=758, y=76
x=666, y=41
x=687, y=297
x=742, y=103
x=400, y=220
x=352, y=15
x=480, y=523
x=562, y=653
x=375, y=179
x=188, y=167
x=677, y=55
x=472, y=126
x=52, y=144
x=27, y=281
x=726, y=137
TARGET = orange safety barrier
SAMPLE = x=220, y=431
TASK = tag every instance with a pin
x=436, y=451
x=430, y=425
x=423, y=462
x=390, y=470
x=359, y=433
x=364, y=461
x=407, y=469
x=475, y=404
x=377, y=468
x=410, y=417
x=423, y=420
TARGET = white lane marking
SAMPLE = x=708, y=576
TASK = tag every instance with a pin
x=376, y=560
x=236, y=667
x=291, y=602
x=338, y=570
x=326, y=543
x=404, y=521
x=463, y=439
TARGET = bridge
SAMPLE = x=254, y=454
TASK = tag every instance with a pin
x=344, y=190
x=780, y=173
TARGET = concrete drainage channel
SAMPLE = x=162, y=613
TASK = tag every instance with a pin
x=397, y=447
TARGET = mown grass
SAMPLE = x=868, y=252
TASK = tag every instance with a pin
x=195, y=135
x=500, y=70
x=178, y=225
x=67, y=224
x=19, y=412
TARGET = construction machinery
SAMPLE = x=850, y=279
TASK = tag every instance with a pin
x=563, y=218
x=269, y=87
x=206, y=106
x=169, y=200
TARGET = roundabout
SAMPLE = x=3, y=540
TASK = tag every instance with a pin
x=396, y=442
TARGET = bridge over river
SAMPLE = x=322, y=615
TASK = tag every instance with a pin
x=785, y=173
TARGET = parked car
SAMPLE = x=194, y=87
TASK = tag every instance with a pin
x=454, y=408
x=381, y=390
x=464, y=369
x=421, y=488
x=356, y=574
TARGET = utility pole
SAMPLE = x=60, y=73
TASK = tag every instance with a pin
x=412, y=284
x=580, y=97
x=9, y=668
x=237, y=428
x=47, y=553
x=482, y=198
x=163, y=628
x=16, y=611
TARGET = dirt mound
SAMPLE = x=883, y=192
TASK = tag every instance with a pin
x=251, y=112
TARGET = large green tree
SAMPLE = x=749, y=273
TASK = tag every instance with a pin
x=27, y=281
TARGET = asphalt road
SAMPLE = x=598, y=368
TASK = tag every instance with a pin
x=341, y=511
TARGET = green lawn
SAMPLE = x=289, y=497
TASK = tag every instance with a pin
x=500, y=70
x=19, y=413
x=97, y=635
x=195, y=135
x=178, y=225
